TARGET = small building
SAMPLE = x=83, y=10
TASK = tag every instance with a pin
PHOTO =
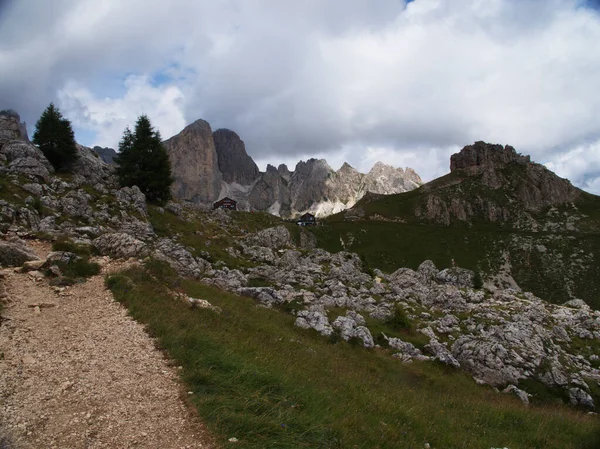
x=307, y=220
x=225, y=203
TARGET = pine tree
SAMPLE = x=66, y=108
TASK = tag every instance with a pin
x=54, y=136
x=144, y=162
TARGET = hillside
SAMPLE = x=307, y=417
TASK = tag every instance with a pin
x=496, y=212
x=284, y=344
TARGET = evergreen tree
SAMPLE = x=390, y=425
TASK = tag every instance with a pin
x=144, y=162
x=54, y=136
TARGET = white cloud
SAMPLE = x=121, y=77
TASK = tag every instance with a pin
x=581, y=165
x=108, y=117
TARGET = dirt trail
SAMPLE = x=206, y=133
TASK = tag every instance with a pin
x=77, y=372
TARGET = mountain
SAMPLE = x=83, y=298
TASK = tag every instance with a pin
x=497, y=212
x=211, y=165
x=234, y=163
x=106, y=154
x=194, y=164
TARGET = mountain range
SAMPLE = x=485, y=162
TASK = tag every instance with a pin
x=211, y=165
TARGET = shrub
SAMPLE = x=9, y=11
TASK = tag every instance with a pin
x=477, y=280
x=398, y=320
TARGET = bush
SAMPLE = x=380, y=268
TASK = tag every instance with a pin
x=144, y=162
x=55, y=138
x=398, y=320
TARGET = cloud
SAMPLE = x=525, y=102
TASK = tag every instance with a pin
x=408, y=82
x=581, y=165
x=109, y=117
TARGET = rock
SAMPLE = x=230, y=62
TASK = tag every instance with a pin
x=90, y=168
x=11, y=127
x=64, y=257
x=522, y=395
x=230, y=280
x=120, y=245
x=234, y=163
x=76, y=204
x=459, y=277
x=15, y=254
x=27, y=159
x=180, y=259
x=577, y=304
x=134, y=198
x=194, y=164
x=174, y=208
x=441, y=353
x=277, y=237
x=314, y=320
x=33, y=265
x=483, y=154
x=579, y=397
x=259, y=254
x=266, y=295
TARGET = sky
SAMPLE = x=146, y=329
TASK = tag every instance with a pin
x=405, y=83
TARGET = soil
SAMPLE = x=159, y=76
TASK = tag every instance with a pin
x=77, y=372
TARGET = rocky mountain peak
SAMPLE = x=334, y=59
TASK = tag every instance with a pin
x=194, y=163
x=11, y=127
x=234, y=163
x=481, y=154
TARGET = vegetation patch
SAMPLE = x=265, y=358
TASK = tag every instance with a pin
x=256, y=377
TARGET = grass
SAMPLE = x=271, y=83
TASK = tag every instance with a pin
x=256, y=377
x=389, y=246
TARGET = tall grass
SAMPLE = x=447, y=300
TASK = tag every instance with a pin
x=256, y=377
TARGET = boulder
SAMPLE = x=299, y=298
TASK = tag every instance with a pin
x=277, y=237
x=314, y=320
x=134, y=198
x=15, y=254
x=459, y=277
x=26, y=159
x=120, y=245
x=180, y=259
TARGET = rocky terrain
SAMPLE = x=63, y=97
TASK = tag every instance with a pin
x=208, y=166
x=512, y=340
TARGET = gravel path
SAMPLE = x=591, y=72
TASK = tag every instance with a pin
x=77, y=372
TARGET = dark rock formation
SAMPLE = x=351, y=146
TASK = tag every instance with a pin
x=480, y=155
x=234, y=163
x=194, y=164
x=21, y=126
x=106, y=154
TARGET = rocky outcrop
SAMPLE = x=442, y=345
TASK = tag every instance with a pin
x=120, y=246
x=91, y=169
x=180, y=259
x=11, y=127
x=194, y=164
x=234, y=163
x=26, y=159
x=277, y=237
x=481, y=155
x=15, y=253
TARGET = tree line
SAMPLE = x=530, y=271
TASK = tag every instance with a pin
x=142, y=160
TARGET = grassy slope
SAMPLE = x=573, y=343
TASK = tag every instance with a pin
x=257, y=377
x=410, y=240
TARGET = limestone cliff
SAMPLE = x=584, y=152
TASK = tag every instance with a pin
x=194, y=164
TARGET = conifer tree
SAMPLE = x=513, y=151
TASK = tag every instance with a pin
x=55, y=138
x=143, y=161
